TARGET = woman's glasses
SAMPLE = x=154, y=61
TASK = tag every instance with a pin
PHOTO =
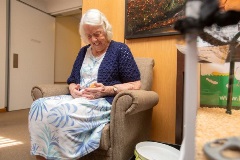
x=95, y=35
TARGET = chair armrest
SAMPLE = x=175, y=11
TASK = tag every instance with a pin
x=131, y=118
x=46, y=90
x=134, y=101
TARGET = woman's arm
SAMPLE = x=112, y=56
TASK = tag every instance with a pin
x=128, y=86
x=115, y=89
x=99, y=90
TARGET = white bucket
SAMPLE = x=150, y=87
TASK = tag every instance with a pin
x=155, y=151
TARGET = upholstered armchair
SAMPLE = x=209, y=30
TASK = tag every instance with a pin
x=131, y=115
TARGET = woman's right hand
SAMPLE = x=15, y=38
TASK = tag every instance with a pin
x=75, y=90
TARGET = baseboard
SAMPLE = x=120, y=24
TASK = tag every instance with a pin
x=60, y=82
x=3, y=110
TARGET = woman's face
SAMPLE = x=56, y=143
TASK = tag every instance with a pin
x=96, y=37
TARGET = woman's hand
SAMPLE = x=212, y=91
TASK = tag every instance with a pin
x=74, y=90
x=96, y=90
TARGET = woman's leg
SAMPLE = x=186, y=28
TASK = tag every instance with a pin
x=40, y=158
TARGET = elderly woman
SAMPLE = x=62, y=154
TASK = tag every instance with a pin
x=70, y=126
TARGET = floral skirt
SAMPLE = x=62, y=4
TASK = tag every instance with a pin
x=62, y=127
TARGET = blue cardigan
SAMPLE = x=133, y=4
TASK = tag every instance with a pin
x=118, y=66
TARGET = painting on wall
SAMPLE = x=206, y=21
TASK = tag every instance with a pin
x=151, y=18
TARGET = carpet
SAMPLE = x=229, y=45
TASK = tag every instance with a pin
x=14, y=136
x=212, y=124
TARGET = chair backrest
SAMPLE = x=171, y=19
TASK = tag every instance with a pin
x=145, y=66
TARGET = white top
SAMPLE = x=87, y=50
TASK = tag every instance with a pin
x=89, y=69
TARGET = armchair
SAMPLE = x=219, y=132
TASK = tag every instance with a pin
x=131, y=115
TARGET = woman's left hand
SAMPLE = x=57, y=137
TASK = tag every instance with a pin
x=95, y=91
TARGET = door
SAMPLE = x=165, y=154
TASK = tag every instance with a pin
x=31, y=53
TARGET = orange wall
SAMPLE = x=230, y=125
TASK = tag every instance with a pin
x=113, y=10
x=164, y=52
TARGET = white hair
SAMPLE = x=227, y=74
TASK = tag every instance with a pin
x=94, y=17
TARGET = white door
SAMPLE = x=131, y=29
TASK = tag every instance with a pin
x=31, y=53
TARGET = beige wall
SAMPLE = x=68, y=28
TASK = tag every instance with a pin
x=38, y=4
x=61, y=6
x=55, y=6
x=3, y=58
x=67, y=46
x=163, y=50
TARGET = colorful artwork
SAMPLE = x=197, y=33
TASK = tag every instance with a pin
x=214, y=85
x=152, y=17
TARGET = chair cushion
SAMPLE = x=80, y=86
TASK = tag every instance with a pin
x=145, y=66
x=105, y=139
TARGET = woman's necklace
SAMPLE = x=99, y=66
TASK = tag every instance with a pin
x=97, y=58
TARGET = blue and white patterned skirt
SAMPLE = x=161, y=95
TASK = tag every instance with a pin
x=62, y=127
